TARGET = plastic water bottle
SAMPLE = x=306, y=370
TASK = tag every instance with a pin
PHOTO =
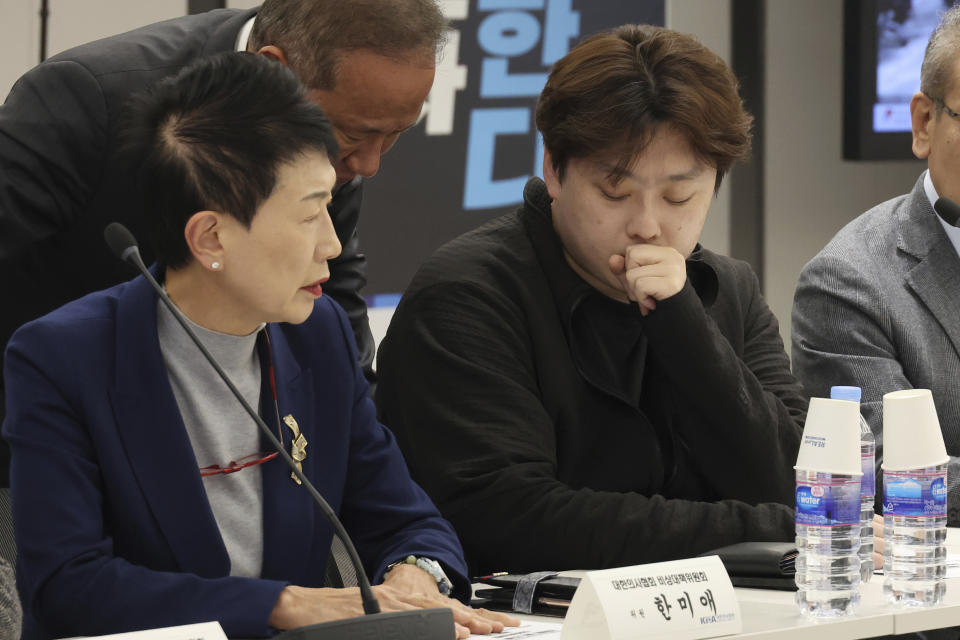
x=914, y=529
x=868, y=482
x=828, y=543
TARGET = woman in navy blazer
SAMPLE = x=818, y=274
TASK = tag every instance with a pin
x=114, y=527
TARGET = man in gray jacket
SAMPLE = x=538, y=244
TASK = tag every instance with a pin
x=879, y=306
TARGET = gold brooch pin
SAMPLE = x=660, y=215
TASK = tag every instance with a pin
x=298, y=446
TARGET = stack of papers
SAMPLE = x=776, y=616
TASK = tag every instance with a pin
x=527, y=629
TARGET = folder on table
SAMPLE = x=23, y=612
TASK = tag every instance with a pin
x=759, y=565
x=550, y=596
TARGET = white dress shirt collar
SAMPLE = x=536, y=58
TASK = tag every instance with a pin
x=244, y=34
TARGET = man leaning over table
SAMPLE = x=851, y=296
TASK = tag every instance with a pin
x=368, y=63
x=580, y=384
x=879, y=306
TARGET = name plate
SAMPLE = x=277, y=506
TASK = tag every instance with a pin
x=680, y=600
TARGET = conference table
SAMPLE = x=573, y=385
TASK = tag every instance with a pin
x=773, y=615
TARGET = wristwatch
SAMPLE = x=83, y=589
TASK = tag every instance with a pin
x=432, y=567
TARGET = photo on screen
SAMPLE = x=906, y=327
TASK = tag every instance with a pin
x=903, y=29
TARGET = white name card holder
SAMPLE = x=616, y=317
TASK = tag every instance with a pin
x=199, y=631
x=680, y=600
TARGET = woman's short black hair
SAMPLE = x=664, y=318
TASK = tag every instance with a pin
x=213, y=138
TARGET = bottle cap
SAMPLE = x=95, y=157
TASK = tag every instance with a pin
x=911, y=431
x=831, y=438
x=846, y=393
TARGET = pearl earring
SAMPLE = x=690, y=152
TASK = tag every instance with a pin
x=215, y=265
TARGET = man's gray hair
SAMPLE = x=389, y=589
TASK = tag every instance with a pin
x=941, y=57
x=312, y=33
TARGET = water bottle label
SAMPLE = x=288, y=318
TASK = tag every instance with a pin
x=868, y=483
x=909, y=494
x=828, y=504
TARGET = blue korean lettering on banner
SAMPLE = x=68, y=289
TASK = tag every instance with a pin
x=908, y=494
x=828, y=503
x=506, y=33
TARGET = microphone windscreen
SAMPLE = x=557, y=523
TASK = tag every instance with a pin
x=119, y=239
x=948, y=210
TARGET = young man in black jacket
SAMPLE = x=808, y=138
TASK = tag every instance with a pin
x=580, y=384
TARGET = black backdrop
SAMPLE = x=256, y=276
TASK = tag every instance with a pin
x=468, y=158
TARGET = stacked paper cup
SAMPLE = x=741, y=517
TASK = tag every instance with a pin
x=828, y=510
x=914, y=499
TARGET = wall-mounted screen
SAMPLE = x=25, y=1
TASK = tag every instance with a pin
x=884, y=42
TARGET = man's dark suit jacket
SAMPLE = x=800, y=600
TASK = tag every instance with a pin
x=62, y=179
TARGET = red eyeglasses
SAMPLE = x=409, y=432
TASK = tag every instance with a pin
x=255, y=458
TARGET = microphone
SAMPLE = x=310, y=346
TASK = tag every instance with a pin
x=948, y=210
x=429, y=624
